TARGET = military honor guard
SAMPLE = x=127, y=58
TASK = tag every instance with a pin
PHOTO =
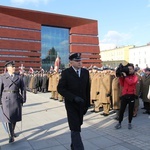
x=13, y=95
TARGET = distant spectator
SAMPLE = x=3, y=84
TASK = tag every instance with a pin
x=137, y=68
x=145, y=88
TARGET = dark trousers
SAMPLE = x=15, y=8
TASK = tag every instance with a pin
x=43, y=90
x=76, y=141
x=11, y=128
x=35, y=91
x=147, y=106
x=124, y=101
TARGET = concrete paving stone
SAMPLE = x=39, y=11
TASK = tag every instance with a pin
x=57, y=125
x=35, y=135
x=116, y=147
x=18, y=145
x=64, y=138
x=45, y=127
x=90, y=146
x=143, y=138
x=61, y=147
x=89, y=134
x=53, y=132
x=102, y=142
x=97, y=131
x=113, y=138
x=130, y=146
x=145, y=147
x=39, y=144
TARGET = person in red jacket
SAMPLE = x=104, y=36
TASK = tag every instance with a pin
x=128, y=83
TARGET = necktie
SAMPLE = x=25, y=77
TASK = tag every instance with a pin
x=12, y=76
x=77, y=72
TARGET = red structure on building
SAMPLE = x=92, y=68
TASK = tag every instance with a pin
x=19, y=26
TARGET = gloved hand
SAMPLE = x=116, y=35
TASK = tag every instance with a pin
x=78, y=99
x=24, y=101
x=108, y=95
x=97, y=93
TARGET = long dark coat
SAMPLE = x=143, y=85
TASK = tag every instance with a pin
x=70, y=86
x=44, y=82
x=35, y=82
x=12, y=102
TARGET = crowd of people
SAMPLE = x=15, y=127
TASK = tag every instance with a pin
x=105, y=89
x=80, y=88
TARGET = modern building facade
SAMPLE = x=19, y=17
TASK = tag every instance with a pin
x=35, y=38
x=113, y=57
x=140, y=55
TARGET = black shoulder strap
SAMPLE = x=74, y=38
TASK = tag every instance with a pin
x=13, y=82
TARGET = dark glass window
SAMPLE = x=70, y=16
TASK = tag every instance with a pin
x=54, y=42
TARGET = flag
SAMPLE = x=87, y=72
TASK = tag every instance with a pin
x=51, y=69
x=31, y=70
x=57, y=64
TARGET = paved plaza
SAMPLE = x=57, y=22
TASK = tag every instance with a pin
x=45, y=127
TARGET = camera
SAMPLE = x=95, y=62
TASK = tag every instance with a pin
x=121, y=69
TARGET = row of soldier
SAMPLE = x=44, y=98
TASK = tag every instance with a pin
x=43, y=82
x=106, y=91
x=105, y=88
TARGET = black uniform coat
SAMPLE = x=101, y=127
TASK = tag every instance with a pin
x=11, y=101
x=70, y=86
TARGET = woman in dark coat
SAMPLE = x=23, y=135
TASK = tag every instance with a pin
x=13, y=95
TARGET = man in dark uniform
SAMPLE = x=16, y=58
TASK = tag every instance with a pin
x=35, y=83
x=74, y=86
x=44, y=85
x=13, y=95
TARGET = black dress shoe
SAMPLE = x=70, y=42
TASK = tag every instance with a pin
x=145, y=112
x=94, y=111
x=15, y=135
x=104, y=114
x=116, y=118
x=11, y=139
x=143, y=108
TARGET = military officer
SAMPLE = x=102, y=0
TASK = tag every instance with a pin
x=51, y=85
x=138, y=92
x=105, y=92
x=44, y=83
x=74, y=86
x=13, y=95
x=116, y=93
x=94, y=92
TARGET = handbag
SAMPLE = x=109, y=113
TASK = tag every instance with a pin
x=148, y=95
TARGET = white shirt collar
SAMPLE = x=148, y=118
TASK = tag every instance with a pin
x=77, y=70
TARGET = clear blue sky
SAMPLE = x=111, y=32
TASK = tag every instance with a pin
x=120, y=22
